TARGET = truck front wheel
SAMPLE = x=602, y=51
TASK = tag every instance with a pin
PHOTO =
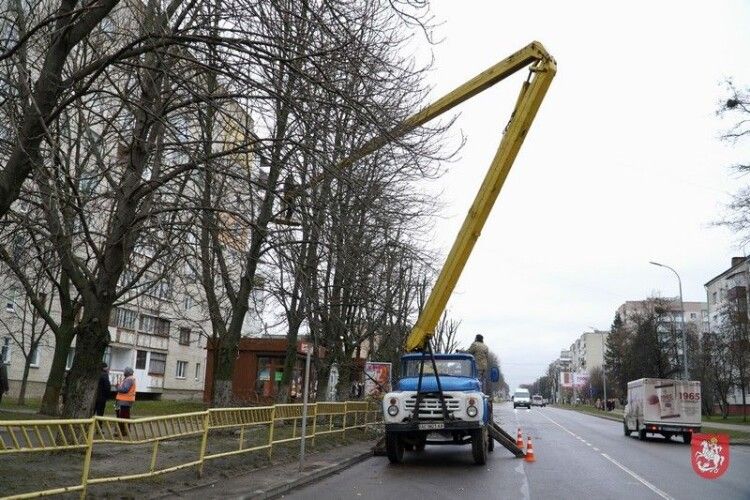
x=394, y=447
x=479, y=446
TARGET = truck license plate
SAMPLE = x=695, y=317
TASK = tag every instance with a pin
x=431, y=427
x=670, y=429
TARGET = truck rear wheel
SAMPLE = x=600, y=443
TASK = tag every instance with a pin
x=687, y=437
x=642, y=433
x=394, y=447
x=625, y=428
x=479, y=446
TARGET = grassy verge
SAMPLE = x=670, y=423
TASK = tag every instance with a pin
x=732, y=419
x=733, y=435
x=151, y=408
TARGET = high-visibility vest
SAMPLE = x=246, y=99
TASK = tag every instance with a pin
x=127, y=396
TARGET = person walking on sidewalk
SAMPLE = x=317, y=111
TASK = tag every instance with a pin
x=4, y=385
x=125, y=398
x=102, y=391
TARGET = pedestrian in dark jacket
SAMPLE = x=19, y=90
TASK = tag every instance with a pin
x=103, y=390
x=4, y=386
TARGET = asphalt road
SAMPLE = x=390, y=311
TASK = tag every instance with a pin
x=577, y=457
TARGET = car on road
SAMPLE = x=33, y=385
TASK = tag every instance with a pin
x=538, y=400
x=522, y=398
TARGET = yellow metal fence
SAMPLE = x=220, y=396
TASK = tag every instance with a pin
x=255, y=429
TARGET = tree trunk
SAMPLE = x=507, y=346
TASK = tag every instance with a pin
x=289, y=363
x=24, y=379
x=226, y=353
x=92, y=338
x=51, y=399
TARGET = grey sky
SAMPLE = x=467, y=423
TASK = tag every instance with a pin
x=623, y=164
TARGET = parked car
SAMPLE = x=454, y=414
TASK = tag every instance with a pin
x=538, y=400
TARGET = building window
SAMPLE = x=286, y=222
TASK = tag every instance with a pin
x=713, y=298
x=10, y=301
x=197, y=371
x=140, y=360
x=34, y=357
x=5, y=351
x=161, y=327
x=184, y=336
x=146, y=325
x=157, y=364
x=181, y=369
x=69, y=359
x=188, y=302
x=107, y=358
x=125, y=318
x=693, y=315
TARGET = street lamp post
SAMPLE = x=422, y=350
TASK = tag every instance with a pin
x=682, y=320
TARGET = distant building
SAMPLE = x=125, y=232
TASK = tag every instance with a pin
x=696, y=313
x=729, y=289
x=587, y=351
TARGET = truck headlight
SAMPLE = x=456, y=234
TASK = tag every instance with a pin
x=472, y=411
x=393, y=410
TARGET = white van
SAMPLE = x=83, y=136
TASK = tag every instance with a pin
x=663, y=406
x=522, y=398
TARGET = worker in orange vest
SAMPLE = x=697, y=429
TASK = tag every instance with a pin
x=125, y=398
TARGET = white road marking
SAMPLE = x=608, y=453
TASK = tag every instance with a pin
x=648, y=485
x=639, y=478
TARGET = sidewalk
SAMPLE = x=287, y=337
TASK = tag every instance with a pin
x=279, y=478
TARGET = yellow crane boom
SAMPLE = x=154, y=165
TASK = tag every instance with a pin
x=542, y=69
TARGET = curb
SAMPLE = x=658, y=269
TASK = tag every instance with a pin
x=736, y=441
x=307, y=478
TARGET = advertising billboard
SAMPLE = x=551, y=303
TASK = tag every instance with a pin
x=377, y=378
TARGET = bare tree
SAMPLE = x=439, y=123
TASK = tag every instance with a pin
x=445, y=334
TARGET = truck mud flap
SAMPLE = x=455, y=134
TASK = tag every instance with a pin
x=502, y=437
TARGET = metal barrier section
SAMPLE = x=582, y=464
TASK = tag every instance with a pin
x=269, y=425
x=146, y=430
x=356, y=414
x=150, y=430
x=43, y=435
x=291, y=412
x=329, y=413
x=242, y=419
x=49, y=436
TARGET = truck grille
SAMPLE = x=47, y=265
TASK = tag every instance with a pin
x=430, y=407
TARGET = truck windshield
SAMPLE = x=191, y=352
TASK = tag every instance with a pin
x=450, y=367
x=521, y=394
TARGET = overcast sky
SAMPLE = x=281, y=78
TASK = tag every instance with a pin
x=623, y=164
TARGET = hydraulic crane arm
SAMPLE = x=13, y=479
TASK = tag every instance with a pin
x=542, y=71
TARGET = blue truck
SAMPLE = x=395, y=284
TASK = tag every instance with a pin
x=439, y=400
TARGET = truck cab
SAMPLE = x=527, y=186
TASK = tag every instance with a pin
x=460, y=416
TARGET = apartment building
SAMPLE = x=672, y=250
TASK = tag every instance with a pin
x=587, y=351
x=728, y=292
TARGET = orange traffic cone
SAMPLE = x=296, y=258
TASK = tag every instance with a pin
x=529, y=450
x=519, y=439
